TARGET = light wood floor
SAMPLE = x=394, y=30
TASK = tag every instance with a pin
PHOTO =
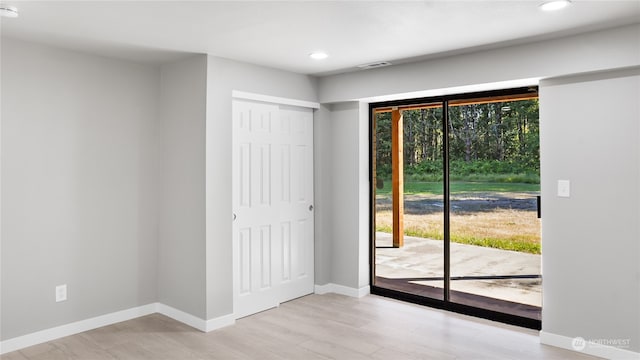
x=313, y=327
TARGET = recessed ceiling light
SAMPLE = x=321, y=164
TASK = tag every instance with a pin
x=8, y=11
x=555, y=5
x=318, y=55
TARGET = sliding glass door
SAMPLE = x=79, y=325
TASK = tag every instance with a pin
x=456, y=195
x=408, y=244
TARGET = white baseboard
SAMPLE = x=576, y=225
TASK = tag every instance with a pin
x=77, y=327
x=590, y=348
x=342, y=290
x=57, y=332
x=220, y=322
x=185, y=318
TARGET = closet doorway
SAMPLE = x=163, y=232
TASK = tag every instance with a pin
x=273, y=223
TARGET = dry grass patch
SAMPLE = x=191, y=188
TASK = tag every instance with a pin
x=506, y=229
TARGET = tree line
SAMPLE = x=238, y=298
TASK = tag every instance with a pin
x=502, y=137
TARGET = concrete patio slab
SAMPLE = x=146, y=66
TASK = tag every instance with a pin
x=421, y=258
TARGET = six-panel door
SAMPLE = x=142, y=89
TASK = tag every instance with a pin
x=273, y=205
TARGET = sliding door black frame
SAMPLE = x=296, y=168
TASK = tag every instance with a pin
x=445, y=304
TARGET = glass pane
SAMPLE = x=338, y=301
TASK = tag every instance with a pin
x=495, y=232
x=416, y=267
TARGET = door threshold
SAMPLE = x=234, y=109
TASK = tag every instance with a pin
x=503, y=311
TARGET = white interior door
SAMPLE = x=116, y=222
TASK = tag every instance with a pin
x=273, y=205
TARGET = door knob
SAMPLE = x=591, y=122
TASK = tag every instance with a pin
x=234, y=217
x=310, y=207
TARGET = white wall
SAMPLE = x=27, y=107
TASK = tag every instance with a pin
x=590, y=134
x=108, y=184
x=342, y=195
x=323, y=190
x=609, y=49
x=181, y=242
x=79, y=184
x=224, y=76
x=617, y=287
x=349, y=194
x=82, y=143
x=364, y=196
x=344, y=187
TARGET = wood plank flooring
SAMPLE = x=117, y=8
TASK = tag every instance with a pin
x=312, y=327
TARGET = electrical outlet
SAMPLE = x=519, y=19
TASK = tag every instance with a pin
x=61, y=292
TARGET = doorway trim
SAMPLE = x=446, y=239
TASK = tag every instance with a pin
x=243, y=95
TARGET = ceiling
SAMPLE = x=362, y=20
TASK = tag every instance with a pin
x=282, y=34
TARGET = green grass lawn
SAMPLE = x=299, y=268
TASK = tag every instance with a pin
x=513, y=244
x=469, y=230
x=435, y=188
